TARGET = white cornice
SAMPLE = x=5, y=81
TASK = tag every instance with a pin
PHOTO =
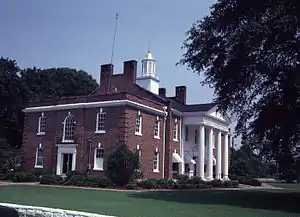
x=111, y=103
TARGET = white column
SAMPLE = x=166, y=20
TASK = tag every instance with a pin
x=182, y=137
x=219, y=154
x=74, y=161
x=225, y=157
x=58, y=164
x=210, y=155
x=201, y=152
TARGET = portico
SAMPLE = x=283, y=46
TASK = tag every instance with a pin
x=205, y=145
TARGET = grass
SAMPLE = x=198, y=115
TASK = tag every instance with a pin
x=224, y=203
x=287, y=186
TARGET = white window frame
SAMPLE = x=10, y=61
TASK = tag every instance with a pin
x=156, y=161
x=101, y=166
x=157, y=128
x=64, y=128
x=36, y=165
x=98, y=120
x=42, y=120
x=175, y=131
x=138, y=121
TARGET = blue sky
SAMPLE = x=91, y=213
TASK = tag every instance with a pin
x=79, y=34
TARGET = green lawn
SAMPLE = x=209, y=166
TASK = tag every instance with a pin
x=287, y=186
x=248, y=203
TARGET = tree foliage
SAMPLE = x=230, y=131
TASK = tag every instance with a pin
x=248, y=51
x=121, y=164
x=18, y=86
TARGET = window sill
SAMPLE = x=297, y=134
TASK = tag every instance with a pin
x=138, y=134
x=99, y=131
x=67, y=141
x=98, y=169
x=41, y=134
x=38, y=167
x=156, y=171
x=156, y=137
x=175, y=140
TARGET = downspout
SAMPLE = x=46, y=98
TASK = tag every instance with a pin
x=164, y=141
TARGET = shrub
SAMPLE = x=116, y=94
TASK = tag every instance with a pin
x=147, y=183
x=76, y=180
x=132, y=186
x=121, y=164
x=252, y=182
x=73, y=173
x=217, y=184
x=7, y=176
x=164, y=183
x=231, y=184
x=51, y=179
x=24, y=177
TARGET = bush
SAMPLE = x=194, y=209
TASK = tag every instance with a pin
x=51, y=179
x=252, y=182
x=76, y=180
x=24, y=177
x=148, y=183
x=132, y=186
x=7, y=176
x=164, y=183
x=73, y=173
x=121, y=164
x=231, y=184
x=217, y=184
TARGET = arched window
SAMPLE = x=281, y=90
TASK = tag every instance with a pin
x=69, y=127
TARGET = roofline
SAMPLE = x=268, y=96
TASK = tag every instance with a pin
x=109, y=103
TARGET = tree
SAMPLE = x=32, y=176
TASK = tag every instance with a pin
x=248, y=52
x=13, y=96
x=121, y=164
x=57, y=82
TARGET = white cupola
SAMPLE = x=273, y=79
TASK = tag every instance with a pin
x=147, y=78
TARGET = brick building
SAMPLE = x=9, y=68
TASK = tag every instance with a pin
x=78, y=133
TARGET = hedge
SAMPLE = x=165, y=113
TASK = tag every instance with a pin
x=247, y=180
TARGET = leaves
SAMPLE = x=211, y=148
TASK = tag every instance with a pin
x=249, y=53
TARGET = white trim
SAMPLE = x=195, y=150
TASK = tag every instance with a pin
x=176, y=158
x=95, y=154
x=158, y=128
x=97, y=131
x=110, y=103
x=64, y=128
x=139, y=116
x=36, y=156
x=41, y=133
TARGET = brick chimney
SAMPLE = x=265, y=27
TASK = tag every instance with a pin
x=130, y=70
x=162, y=92
x=106, y=73
x=181, y=94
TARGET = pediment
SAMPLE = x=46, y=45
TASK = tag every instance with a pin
x=213, y=112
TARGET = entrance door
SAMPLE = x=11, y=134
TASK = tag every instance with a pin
x=67, y=163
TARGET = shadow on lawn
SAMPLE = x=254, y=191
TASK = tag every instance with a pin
x=270, y=200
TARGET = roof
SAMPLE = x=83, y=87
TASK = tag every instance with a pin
x=193, y=107
x=149, y=56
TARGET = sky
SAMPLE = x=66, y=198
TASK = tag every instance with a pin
x=79, y=34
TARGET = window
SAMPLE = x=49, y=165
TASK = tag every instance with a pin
x=69, y=127
x=196, y=137
x=100, y=122
x=145, y=67
x=175, y=131
x=98, y=159
x=186, y=134
x=42, y=125
x=138, y=124
x=156, y=161
x=156, y=129
x=39, y=157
